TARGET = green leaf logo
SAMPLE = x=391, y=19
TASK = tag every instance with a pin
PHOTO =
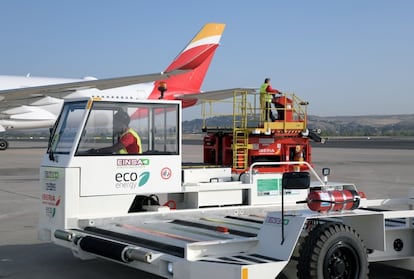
x=143, y=178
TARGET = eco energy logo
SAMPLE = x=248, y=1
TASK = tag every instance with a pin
x=131, y=180
x=276, y=221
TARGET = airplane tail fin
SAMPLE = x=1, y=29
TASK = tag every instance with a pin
x=195, y=58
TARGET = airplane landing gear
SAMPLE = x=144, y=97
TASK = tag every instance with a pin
x=3, y=144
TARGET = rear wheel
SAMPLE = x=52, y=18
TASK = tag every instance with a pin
x=335, y=251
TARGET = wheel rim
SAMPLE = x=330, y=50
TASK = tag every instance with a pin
x=3, y=144
x=341, y=262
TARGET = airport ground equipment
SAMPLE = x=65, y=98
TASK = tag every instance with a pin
x=244, y=135
x=152, y=212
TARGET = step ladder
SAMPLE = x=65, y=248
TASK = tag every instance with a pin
x=240, y=131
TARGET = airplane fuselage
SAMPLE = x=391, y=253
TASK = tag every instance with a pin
x=41, y=113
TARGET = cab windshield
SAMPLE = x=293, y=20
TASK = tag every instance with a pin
x=154, y=126
x=66, y=127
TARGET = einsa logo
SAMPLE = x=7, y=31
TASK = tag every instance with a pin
x=132, y=162
x=276, y=221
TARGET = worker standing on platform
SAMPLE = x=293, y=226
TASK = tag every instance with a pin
x=266, y=96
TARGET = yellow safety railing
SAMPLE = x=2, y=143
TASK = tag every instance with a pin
x=248, y=113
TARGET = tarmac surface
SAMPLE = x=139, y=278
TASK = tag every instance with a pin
x=383, y=169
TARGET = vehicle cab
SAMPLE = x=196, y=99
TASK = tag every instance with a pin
x=72, y=172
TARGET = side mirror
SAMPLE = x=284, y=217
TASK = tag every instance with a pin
x=292, y=180
x=326, y=171
x=296, y=180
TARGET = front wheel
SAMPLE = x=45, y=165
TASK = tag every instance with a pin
x=335, y=251
x=3, y=144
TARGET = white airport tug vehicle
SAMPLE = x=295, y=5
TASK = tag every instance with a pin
x=152, y=212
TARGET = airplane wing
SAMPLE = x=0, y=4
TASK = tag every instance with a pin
x=65, y=88
x=216, y=94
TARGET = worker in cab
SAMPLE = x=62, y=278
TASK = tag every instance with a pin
x=266, y=96
x=128, y=141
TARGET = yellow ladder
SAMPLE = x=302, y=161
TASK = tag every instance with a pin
x=240, y=131
x=240, y=149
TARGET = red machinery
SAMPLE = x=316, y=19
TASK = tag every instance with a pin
x=218, y=149
x=284, y=140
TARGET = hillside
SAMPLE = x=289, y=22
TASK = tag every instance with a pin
x=368, y=125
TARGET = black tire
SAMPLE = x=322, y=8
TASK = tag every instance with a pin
x=281, y=276
x=335, y=251
x=3, y=144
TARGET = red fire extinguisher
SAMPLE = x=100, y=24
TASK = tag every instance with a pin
x=336, y=200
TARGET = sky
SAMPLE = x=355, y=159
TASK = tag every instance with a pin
x=353, y=57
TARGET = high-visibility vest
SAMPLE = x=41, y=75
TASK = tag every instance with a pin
x=138, y=139
x=264, y=96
